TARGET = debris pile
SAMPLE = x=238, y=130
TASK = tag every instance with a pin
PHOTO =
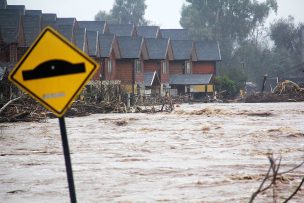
x=286, y=91
x=288, y=87
x=26, y=109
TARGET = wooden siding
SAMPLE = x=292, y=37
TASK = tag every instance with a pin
x=13, y=53
x=113, y=74
x=155, y=65
x=98, y=72
x=124, y=70
x=151, y=66
x=139, y=77
x=176, y=67
x=203, y=67
x=4, y=53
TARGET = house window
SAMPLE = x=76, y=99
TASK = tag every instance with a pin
x=110, y=66
x=187, y=67
x=164, y=66
x=137, y=66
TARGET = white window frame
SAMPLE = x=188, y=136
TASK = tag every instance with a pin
x=188, y=67
x=110, y=66
x=137, y=64
x=164, y=66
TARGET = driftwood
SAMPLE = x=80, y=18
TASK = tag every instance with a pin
x=8, y=103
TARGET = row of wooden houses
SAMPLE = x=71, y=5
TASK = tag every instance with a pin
x=145, y=59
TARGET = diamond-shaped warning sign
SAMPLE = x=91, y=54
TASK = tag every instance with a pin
x=53, y=71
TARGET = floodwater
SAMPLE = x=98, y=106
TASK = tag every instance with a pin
x=198, y=153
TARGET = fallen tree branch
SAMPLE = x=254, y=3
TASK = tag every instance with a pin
x=8, y=103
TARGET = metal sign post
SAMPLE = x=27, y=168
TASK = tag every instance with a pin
x=68, y=164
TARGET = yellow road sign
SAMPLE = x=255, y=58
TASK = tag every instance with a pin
x=53, y=71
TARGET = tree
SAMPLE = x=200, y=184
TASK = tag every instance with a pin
x=103, y=16
x=289, y=46
x=224, y=19
x=286, y=35
x=225, y=86
x=124, y=12
x=230, y=22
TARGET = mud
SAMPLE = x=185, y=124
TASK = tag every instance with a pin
x=198, y=153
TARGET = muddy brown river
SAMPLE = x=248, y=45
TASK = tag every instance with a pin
x=198, y=153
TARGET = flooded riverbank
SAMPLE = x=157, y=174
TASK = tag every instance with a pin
x=198, y=153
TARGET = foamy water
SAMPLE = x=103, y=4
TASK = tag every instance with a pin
x=198, y=153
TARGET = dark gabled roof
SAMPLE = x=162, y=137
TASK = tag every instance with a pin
x=150, y=77
x=130, y=48
x=3, y=4
x=148, y=31
x=32, y=28
x=33, y=12
x=106, y=42
x=66, y=31
x=48, y=19
x=93, y=43
x=175, y=34
x=80, y=35
x=20, y=8
x=157, y=48
x=3, y=71
x=93, y=25
x=207, y=51
x=182, y=49
x=66, y=21
x=190, y=79
x=10, y=20
x=121, y=29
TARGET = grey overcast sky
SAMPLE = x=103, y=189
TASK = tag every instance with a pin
x=165, y=13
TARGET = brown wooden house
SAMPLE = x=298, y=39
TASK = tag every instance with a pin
x=94, y=46
x=12, y=34
x=130, y=67
x=109, y=54
x=184, y=54
x=81, y=40
x=32, y=26
x=94, y=51
x=208, y=55
x=67, y=27
x=160, y=53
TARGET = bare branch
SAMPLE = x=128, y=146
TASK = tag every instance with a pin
x=295, y=192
